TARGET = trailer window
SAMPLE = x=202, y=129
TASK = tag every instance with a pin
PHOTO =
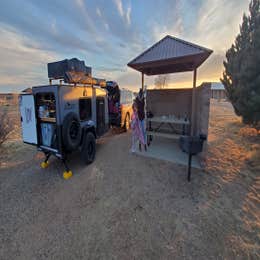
x=85, y=110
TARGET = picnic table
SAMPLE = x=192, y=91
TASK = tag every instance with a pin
x=172, y=125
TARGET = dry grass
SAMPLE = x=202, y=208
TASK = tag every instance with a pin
x=136, y=208
x=233, y=157
x=248, y=132
x=232, y=145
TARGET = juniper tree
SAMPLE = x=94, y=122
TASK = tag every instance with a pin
x=241, y=76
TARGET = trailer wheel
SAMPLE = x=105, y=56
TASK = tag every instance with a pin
x=88, y=150
x=127, y=122
x=71, y=132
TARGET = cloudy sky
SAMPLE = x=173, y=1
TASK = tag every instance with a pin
x=108, y=34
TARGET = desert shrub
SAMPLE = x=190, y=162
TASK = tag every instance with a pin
x=5, y=126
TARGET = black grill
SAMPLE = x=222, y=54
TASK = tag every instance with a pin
x=191, y=145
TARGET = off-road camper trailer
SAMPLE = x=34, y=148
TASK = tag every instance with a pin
x=61, y=118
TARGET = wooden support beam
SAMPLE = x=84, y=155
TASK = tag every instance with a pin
x=142, y=81
x=193, y=107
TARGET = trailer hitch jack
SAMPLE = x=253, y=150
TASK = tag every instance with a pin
x=45, y=163
x=68, y=173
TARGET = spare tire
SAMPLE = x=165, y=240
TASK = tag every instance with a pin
x=71, y=132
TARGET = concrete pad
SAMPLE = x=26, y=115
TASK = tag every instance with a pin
x=168, y=150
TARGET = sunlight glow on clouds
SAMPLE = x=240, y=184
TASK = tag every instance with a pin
x=125, y=14
x=119, y=6
x=219, y=21
x=128, y=15
x=98, y=12
x=23, y=58
x=108, y=34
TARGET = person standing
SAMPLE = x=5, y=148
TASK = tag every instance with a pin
x=141, y=116
x=137, y=134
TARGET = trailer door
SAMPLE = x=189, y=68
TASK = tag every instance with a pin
x=100, y=110
x=28, y=119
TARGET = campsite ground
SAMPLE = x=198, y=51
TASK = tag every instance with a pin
x=128, y=207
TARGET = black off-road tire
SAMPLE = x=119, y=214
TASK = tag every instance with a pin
x=71, y=132
x=88, y=150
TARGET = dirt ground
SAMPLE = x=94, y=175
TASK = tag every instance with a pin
x=124, y=206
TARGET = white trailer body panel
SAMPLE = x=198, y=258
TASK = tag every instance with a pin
x=28, y=119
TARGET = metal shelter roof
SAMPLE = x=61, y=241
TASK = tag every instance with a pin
x=170, y=55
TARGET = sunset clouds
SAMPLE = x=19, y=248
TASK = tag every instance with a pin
x=108, y=34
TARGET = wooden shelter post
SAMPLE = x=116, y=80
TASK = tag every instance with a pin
x=193, y=107
x=142, y=81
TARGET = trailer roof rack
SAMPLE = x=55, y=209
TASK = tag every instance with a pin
x=73, y=71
